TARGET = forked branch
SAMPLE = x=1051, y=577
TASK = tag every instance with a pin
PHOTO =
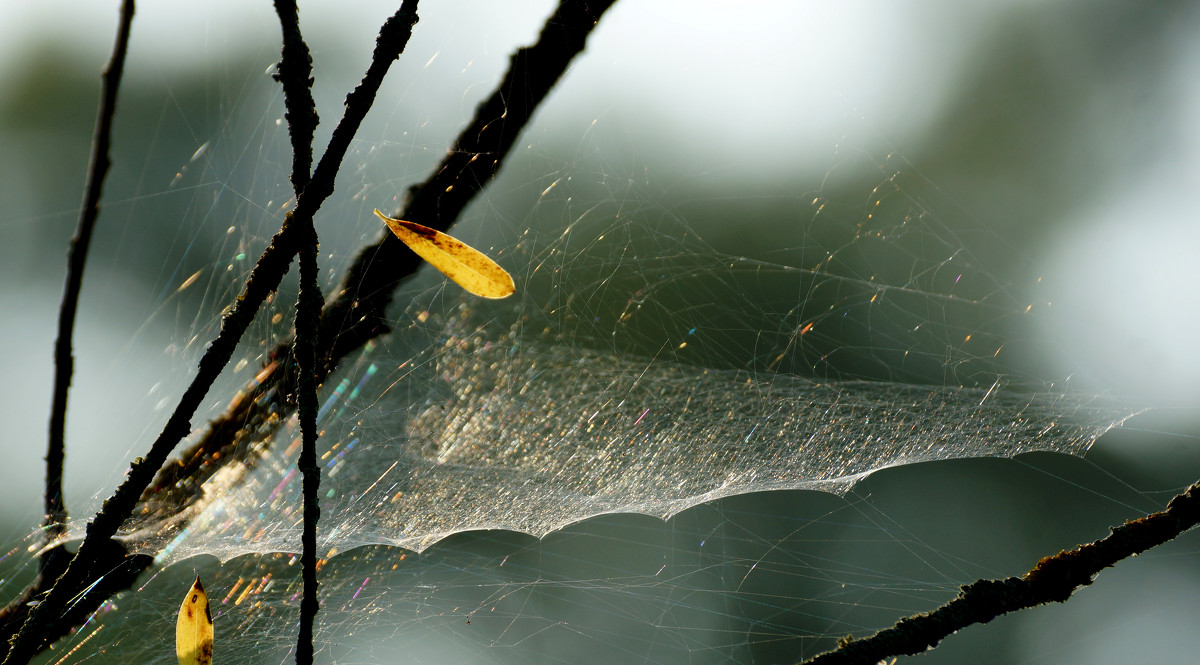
x=356, y=314
x=101, y=567
x=44, y=621
x=295, y=65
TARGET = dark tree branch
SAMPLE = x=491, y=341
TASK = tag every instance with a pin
x=308, y=313
x=295, y=65
x=1053, y=579
x=104, y=525
x=114, y=572
x=86, y=567
x=293, y=73
x=356, y=313
x=393, y=36
x=55, y=517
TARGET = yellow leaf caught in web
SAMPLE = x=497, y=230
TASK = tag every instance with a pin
x=464, y=264
x=194, y=628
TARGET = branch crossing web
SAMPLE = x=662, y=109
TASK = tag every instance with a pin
x=505, y=431
x=639, y=370
x=566, y=475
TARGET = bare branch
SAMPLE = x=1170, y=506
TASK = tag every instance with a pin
x=356, y=313
x=87, y=565
x=1053, y=579
x=308, y=312
x=294, y=67
x=293, y=73
x=64, y=362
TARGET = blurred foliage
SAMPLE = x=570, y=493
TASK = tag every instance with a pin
x=1054, y=105
x=47, y=114
x=1057, y=103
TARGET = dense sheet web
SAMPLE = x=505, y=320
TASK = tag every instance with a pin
x=504, y=449
x=601, y=468
x=639, y=370
x=623, y=396
x=655, y=359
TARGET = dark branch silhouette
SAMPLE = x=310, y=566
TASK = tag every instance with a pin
x=308, y=312
x=294, y=73
x=294, y=69
x=1053, y=579
x=43, y=621
x=64, y=362
x=355, y=314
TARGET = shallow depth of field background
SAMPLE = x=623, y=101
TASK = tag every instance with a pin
x=1066, y=129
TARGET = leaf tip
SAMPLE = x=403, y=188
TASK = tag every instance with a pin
x=194, y=628
x=468, y=267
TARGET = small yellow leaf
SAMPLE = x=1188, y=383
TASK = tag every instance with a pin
x=464, y=264
x=194, y=629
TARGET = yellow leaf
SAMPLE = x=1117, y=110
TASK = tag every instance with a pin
x=194, y=629
x=464, y=264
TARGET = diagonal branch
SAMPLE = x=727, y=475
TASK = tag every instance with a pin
x=1053, y=579
x=55, y=509
x=356, y=311
x=479, y=153
x=43, y=621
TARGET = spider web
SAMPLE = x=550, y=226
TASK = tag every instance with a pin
x=533, y=414
x=689, y=345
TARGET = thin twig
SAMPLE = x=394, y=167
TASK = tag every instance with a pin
x=355, y=314
x=264, y=278
x=308, y=312
x=295, y=65
x=104, y=525
x=293, y=73
x=1053, y=579
x=390, y=43
x=64, y=362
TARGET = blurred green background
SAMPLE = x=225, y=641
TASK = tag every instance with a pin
x=1056, y=141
